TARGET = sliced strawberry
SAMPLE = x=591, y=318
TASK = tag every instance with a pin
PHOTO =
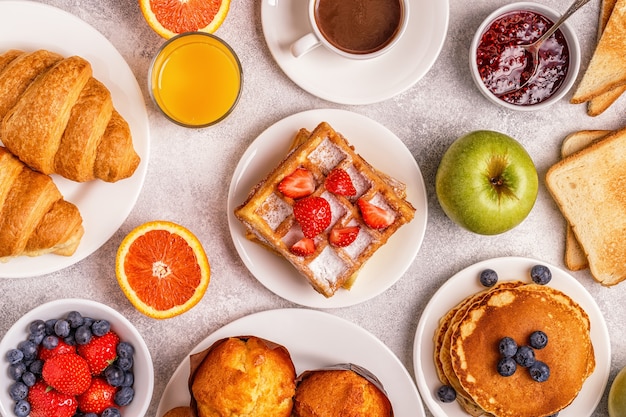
x=98, y=397
x=303, y=247
x=60, y=348
x=343, y=236
x=374, y=216
x=298, y=184
x=313, y=214
x=338, y=182
x=47, y=402
x=100, y=352
x=68, y=373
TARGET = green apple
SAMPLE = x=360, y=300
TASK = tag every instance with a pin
x=486, y=182
x=617, y=395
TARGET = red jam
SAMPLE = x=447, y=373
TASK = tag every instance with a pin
x=504, y=66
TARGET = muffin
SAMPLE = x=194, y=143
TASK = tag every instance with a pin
x=243, y=376
x=343, y=390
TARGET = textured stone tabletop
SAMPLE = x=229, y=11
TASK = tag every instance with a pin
x=189, y=174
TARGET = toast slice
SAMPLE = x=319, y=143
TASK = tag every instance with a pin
x=590, y=189
x=607, y=68
x=575, y=259
x=599, y=104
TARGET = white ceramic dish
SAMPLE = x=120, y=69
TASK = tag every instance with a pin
x=143, y=369
x=378, y=146
x=572, y=43
x=103, y=206
x=466, y=283
x=342, y=80
x=314, y=339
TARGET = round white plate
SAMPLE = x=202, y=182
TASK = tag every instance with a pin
x=377, y=145
x=143, y=368
x=465, y=283
x=314, y=339
x=342, y=80
x=103, y=206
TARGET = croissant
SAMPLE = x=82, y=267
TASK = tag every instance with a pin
x=58, y=119
x=34, y=217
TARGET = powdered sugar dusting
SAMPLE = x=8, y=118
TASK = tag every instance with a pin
x=327, y=155
x=274, y=210
x=360, y=182
x=327, y=266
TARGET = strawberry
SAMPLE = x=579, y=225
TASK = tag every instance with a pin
x=60, y=348
x=299, y=183
x=68, y=373
x=343, y=236
x=338, y=182
x=313, y=214
x=303, y=247
x=374, y=216
x=100, y=352
x=98, y=397
x=47, y=402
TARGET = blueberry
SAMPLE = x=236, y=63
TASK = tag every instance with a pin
x=124, y=396
x=83, y=335
x=50, y=326
x=29, y=349
x=129, y=379
x=37, y=327
x=111, y=412
x=125, y=350
x=88, y=321
x=18, y=391
x=507, y=347
x=36, y=366
x=75, y=319
x=90, y=415
x=14, y=356
x=540, y=274
x=538, y=339
x=125, y=363
x=50, y=342
x=70, y=339
x=17, y=370
x=446, y=394
x=539, y=371
x=62, y=328
x=36, y=338
x=22, y=408
x=114, y=375
x=100, y=327
x=29, y=378
x=525, y=356
x=507, y=366
x=488, y=277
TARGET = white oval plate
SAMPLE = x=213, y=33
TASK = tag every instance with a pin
x=314, y=339
x=377, y=145
x=103, y=206
x=465, y=283
x=347, y=81
x=143, y=368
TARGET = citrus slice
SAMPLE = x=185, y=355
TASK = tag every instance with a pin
x=162, y=269
x=171, y=17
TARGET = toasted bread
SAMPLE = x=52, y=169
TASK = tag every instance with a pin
x=599, y=104
x=607, y=68
x=590, y=190
x=575, y=258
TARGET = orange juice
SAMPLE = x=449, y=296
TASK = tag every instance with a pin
x=196, y=79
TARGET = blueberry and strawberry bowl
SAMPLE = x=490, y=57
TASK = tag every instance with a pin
x=74, y=357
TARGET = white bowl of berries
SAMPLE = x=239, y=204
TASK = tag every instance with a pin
x=74, y=357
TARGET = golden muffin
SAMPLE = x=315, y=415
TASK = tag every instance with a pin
x=340, y=391
x=244, y=377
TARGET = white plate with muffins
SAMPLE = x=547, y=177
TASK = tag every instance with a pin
x=314, y=340
x=466, y=283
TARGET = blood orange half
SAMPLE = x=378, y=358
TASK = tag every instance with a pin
x=171, y=17
x=162, y=269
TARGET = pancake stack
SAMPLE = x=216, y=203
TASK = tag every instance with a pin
x=467, y=354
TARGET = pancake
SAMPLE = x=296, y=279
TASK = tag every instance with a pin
x=517, y=312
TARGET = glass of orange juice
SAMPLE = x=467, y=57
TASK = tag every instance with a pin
x=195, y=79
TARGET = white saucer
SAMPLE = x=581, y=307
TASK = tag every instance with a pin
x=465, y=283
x=342, y=80
x=380, y=147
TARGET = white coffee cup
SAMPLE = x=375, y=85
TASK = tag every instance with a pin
x=381, y=34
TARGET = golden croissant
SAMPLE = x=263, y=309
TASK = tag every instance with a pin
x=58, y=119
x=34, y=217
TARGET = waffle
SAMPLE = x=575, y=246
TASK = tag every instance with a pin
x=268, y=215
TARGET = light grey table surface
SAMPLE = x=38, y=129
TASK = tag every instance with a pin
x=189, y=174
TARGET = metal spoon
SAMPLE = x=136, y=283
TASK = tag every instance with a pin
x=532, y=50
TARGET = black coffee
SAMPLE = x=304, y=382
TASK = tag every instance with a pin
x=359, y=26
